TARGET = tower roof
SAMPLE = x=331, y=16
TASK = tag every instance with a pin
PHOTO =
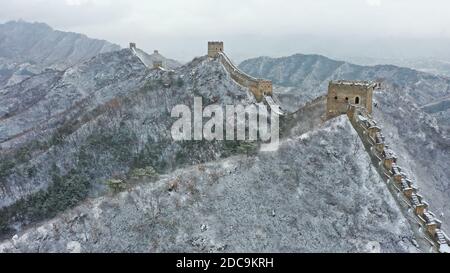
x=366, y=84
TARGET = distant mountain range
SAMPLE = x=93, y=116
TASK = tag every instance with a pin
x=27, y=49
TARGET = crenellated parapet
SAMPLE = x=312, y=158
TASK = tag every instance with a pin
x=398, y=181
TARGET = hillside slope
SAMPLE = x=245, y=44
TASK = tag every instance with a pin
x=317, y=193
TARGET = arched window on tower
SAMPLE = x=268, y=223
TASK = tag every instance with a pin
x=357, y=100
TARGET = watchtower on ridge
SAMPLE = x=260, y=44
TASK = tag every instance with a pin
x=342, y=94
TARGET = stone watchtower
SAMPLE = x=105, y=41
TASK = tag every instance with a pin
x=265, y=87
x=214, y=48
x=132, y=45
x=157, y=64
x=342, y=94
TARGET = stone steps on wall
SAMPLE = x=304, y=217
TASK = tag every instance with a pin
x=408, y=193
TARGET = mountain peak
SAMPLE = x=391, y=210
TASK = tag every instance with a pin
x=23, y=23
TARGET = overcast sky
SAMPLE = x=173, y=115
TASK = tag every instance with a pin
x=180, y=28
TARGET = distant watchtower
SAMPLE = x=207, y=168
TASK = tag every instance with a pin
x=214, y=48
x=341, y=94
x=132, y=45
x=157, y=64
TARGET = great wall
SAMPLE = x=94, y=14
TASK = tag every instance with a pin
x=413, y=205
x=353, y=99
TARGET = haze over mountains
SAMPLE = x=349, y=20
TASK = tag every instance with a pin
x=100, y=113
x=39, y=43
x=149, y=59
